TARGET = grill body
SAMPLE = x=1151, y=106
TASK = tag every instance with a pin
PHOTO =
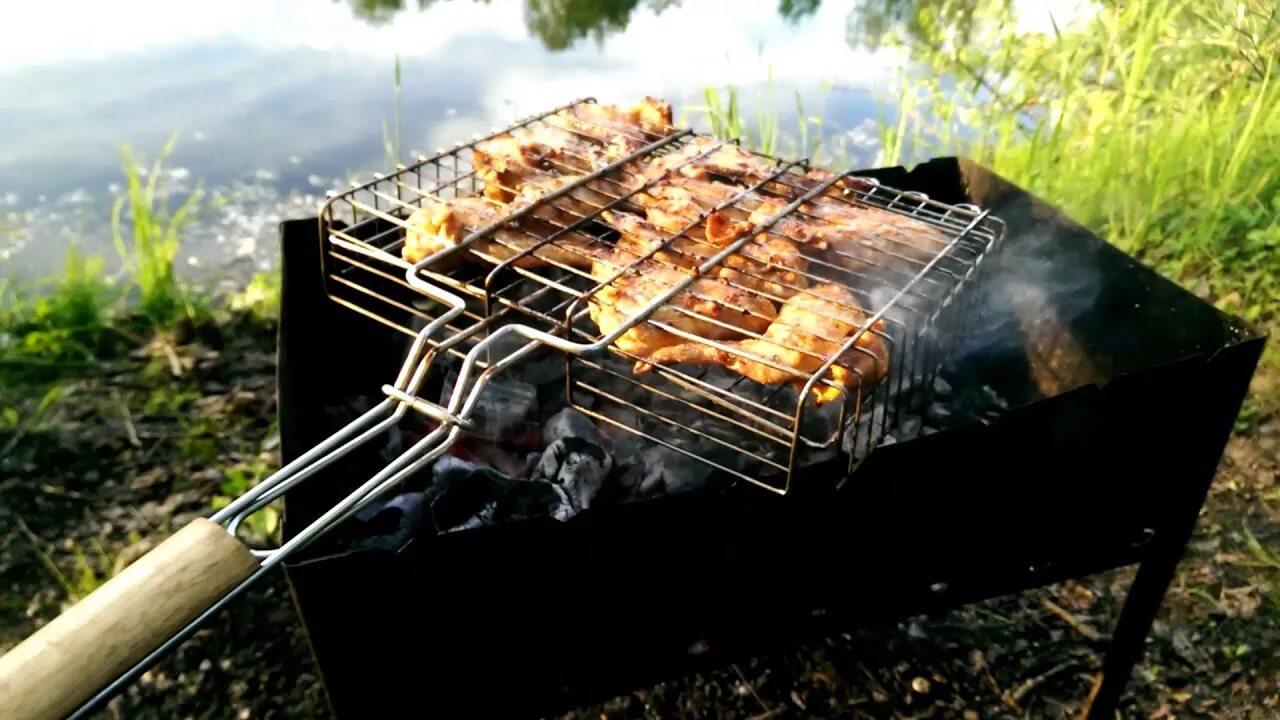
x=1121, y=404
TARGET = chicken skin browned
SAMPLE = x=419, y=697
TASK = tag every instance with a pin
x=579, y=139
x=722, y=311
x=811, y=326
x=774, y=272
x=856, y=234
x=505, y=162
x=633, y=125
x=440, y=224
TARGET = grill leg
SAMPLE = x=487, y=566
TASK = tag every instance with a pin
x=1141, y=605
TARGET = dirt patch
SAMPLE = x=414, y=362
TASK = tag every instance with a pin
x=94, y=463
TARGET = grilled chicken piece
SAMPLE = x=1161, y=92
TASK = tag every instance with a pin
x=583, y=201
x=811, y=326
x=620, y=299
x=575, y=140
x=857, y=235
x=706, y=157
x=633, y=125
x=687, y=208
x=440, y=224
x=503, y=163
x=777, y=272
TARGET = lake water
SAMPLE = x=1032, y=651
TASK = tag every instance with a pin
x=275, y=101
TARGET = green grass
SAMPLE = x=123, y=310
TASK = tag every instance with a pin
x=60, y=318
x=391, y=145
x=148, y=245
x=88, y=571
x=82, y=315
x=1153, y=124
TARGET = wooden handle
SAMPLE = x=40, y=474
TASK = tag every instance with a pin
x=64, y=663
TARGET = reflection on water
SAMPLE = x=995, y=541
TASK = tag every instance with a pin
x=560, y=23
x=276, y=101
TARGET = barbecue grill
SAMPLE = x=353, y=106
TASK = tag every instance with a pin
x=1093, y=354
x=1034, y=348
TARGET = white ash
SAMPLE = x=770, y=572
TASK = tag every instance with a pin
x=577, y=457
x=576, y=465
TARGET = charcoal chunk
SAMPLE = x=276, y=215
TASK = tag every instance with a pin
x=578, y=466
x=461, y=490
x=629, y=464
x=668, y=472
x=503, y=408
x=910, y=426
x=533, y=499
x=391, y=524
x=570, y=423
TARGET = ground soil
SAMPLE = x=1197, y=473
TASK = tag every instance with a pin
x=122, y=454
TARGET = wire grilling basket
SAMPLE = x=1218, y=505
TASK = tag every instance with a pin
x=754, y=313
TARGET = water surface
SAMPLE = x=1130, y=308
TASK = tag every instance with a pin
x=275, y=101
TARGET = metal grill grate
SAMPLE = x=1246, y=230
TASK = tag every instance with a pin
x=798, y=310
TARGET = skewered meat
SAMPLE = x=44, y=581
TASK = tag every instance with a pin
x=811, y=326
x=722, y=311
x=440, y=224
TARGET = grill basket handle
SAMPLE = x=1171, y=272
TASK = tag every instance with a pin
x=64, y=663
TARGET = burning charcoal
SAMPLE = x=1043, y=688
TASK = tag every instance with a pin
x=503, y=407
x=389, y=525
x=460, y=491
x=533, y=499
x=577, y=465
x=668, y=472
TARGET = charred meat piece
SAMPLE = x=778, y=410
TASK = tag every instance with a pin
x=720, y=311
x=811, y=327
x=441, y=224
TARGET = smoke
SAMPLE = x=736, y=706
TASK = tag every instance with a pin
x=1032, y=298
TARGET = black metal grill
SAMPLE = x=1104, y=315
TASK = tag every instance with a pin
x=1121, y=397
